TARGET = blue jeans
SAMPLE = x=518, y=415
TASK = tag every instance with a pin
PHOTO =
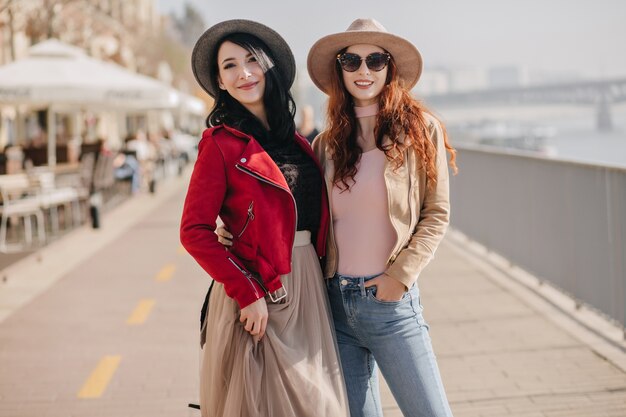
x=390, y=335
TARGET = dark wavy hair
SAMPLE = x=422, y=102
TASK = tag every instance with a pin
x=399, y=114
x=279, y=104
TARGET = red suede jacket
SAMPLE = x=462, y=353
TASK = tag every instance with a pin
x=235, y=179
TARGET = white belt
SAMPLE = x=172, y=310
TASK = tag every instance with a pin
x=303, y=238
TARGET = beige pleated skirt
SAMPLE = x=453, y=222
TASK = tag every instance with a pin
x=294, y=370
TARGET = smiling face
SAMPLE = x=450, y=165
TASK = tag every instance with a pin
x=241, y=75
x=364, y=84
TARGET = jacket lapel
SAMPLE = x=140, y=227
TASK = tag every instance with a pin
x=329, y=168
x=255, y=159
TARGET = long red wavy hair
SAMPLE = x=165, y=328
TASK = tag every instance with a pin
x=399, y=113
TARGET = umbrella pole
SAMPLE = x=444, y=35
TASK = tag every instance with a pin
x=52, y=134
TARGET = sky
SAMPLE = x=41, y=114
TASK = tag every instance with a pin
x=580, y=36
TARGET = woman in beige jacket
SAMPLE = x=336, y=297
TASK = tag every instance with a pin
x=384, y=157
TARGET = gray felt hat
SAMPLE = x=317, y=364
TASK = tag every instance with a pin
x=204, y=50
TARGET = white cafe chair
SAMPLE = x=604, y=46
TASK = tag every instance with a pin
x=19, y=200
x=51, y=197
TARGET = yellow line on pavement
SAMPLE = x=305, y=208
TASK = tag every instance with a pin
x=166, y=272
x=100, y=377
x=141, y=312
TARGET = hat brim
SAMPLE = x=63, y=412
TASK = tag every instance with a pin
x=322, y=56
x=204, y=50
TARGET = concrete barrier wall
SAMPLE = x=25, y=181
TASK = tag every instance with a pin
x=563, y=221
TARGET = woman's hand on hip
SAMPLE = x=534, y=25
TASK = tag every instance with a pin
x=254, y=318
x=223, y=236
x=387, y=288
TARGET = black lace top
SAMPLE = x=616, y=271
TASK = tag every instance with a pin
x=304, y=180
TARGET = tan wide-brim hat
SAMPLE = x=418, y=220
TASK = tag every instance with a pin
x=323, y=54
x=204, y=51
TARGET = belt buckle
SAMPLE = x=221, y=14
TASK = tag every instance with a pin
x=279, y=294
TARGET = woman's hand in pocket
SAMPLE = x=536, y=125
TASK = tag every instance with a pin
x=387, y=288
x=224, y=237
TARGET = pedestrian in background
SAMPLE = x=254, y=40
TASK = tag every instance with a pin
x=384, y=156
x=307, y=124
x=269, y=348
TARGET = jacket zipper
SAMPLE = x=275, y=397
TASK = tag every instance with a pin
x=248, y=276
x=392, y=256
x=295, y=207
x=249, y=219
x=411, y=186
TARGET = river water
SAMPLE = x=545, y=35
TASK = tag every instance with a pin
x=567, y=132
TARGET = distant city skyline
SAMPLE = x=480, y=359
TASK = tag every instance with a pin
x=582, y=37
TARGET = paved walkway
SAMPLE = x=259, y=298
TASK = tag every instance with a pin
x=105, y=324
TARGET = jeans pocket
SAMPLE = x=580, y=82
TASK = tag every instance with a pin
x=371, y=295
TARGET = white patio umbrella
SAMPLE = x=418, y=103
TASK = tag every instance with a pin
x=58, y=74
x=190, y=104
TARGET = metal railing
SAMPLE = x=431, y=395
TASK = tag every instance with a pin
x=563, y=221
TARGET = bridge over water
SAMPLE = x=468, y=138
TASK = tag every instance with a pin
x=600, y=95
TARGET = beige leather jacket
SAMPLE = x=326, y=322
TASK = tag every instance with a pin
x=419, y=215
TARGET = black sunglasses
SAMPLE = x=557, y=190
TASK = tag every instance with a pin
x=376, y=61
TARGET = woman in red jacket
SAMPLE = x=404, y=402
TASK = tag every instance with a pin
x=270, y=348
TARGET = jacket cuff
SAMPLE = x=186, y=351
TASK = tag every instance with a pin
x=407, y=270
x=245, y=298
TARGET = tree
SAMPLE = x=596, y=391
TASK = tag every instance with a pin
x=190, y=26
x=43, y=22
x=6, y=5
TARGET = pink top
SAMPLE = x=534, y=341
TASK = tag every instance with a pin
x=363, y=230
